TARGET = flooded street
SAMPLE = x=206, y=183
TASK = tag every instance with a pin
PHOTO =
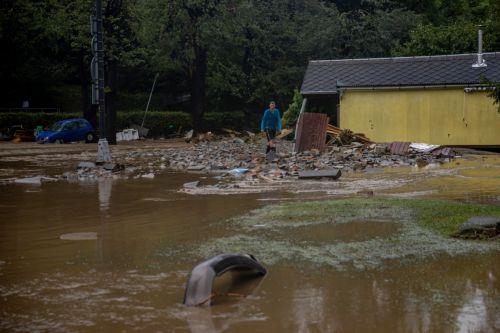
x=115, y=255
x=250, y=166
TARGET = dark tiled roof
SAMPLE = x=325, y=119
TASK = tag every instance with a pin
x=326, y=76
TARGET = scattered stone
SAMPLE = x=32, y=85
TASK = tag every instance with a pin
x=86, y=165
x=148, y=175
x=238, y=140
x=380, y=149
x=222, y=154
x=113, y=167
x=271, y=156
x=422, y=162
x=70, y=176
x=196, y=167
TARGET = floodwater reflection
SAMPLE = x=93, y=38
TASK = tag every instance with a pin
x=121, y=282
x=309, y=309
x=104, y=189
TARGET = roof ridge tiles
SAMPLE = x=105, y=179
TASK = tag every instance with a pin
x=398, y=59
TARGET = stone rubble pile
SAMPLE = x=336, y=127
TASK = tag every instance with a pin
x=235, y=157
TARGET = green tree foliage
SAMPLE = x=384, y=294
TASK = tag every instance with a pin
x=450, y=27
x=186, y=35
x=220, y=55
x=495, y=94
x=292, y=114
x=453, y=38
x=493, y=89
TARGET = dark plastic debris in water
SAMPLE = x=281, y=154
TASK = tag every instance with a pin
x=480, y=227
x=311, y=174
x=199, y=286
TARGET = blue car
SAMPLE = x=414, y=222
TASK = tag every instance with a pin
x=68, y=130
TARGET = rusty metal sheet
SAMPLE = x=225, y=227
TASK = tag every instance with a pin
x=399, y=148
x=311, y=131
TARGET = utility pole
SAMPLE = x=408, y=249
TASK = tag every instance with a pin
x=97, y=74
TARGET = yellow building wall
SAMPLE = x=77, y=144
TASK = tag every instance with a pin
x=436, y=116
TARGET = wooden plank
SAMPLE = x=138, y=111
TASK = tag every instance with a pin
x=230, y=131
x=284, y=133
x=335, y=131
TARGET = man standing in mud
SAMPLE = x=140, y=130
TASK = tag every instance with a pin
x=271, y=124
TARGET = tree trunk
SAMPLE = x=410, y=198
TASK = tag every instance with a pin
x=198, y=87
x=112, y=73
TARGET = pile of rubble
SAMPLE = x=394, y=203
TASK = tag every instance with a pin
x=236, y=157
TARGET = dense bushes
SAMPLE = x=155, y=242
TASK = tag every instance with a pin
x=292, y=114
x=32, y=120
x=160, y=123
x=165, y=122
x=215, y=121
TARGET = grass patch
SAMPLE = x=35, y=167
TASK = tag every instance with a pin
x=445, y=217
x=440, y=216
x=286, y=233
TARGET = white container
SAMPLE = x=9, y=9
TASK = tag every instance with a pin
x=119, y=136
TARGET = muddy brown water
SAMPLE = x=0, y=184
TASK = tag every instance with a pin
x=105, y=273
x=345, y=232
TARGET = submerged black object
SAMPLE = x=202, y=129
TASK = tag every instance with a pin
x=199, y=285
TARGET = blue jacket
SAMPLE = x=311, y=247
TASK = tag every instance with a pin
x=271, y=120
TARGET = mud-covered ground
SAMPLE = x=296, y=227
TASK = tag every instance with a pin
x=236, y=165
x=28, y=159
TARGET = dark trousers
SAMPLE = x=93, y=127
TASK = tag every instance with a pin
x=270, y=134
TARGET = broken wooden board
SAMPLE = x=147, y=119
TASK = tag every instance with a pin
x=336, y=132
x=284, y=133
x=314, y=174
x=230, y=131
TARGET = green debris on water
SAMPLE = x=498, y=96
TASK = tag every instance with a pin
x=272, y=233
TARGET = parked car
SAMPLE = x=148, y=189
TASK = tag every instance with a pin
x=68, y=130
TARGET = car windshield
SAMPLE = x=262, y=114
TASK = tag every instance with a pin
x=57, y=126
